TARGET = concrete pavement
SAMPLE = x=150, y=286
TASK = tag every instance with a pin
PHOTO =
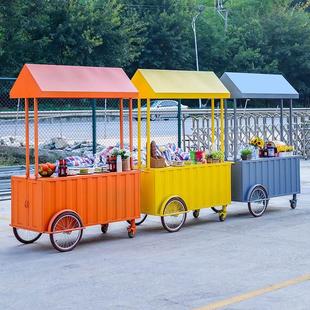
x=206, y=262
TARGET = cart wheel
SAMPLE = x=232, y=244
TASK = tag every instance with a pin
x=104, y=228
x=258, y=201
x=174, y=214
x=65, y=241
x=196, y=214
x=215, y=210
x=222, y=217
x=293, y=203
x=26, y=236
x=131, y=234
x=140, y=220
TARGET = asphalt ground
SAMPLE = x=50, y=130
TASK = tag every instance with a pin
x=242, y=263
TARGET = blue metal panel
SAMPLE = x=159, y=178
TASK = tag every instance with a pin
x=280, y=176
x=258, y=86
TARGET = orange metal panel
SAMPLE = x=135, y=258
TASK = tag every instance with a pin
x=98, y=199
x=57, y=81
x=121, y=123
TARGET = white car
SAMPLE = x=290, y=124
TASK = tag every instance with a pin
x=162, y=109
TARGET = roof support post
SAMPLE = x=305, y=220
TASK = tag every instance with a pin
x=179, y=123
x=212, y=124
x=121, y=123
x=27, y=137
x=36, y=138
x=222, y=125
x=94, y=126
x=139, y=133
x=235, y=131
x=148, y=133
x=291, y=122
x=226, y=129
x=130, y=133
x=281, y=121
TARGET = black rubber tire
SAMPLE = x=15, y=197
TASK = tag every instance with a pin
x=24, y=241
x=55, y=245
x=263, y=191
x=196, y=214
x=293, y=204
x=104, y=228
x=131, y=234
x=163, y=222
x=141, y=221
x=222, y=218
x=215, y=210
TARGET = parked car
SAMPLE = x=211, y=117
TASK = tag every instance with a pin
x=164, y=109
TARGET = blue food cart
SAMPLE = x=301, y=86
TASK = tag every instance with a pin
x=256, y=181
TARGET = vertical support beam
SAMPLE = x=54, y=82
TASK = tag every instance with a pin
x=179, y=124
x=235, y=131
x=222, y=125
x=291, y=123
x=121, y=123
x=281, y=121
x=212, y=124
x=94, y=126
x=27, y=137
x=139, y=133
x=36, y=138
x=148, y=133
x=130, y=132
x=226, y=129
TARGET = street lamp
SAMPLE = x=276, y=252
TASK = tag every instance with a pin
x=200, y=10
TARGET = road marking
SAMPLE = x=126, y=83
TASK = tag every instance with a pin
x=239, y=298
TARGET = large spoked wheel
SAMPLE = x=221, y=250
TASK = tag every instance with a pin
x=258, y=201
x=26, y=236
x=66, y=231
x=140, y=220
x=174, y=215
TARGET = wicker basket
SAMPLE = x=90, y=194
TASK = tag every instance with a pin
x=158, y=162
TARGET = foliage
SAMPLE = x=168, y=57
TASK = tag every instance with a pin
x=217, y=155
x=262, y=36
x=246, y=152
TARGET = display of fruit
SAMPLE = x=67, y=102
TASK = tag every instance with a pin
x=46, y=170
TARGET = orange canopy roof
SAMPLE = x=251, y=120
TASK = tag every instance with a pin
x=57, y=81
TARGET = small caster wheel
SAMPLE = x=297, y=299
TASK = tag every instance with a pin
x=104, y=228
x=196, y=214
x=293, y=203
x=222, y=217
x=131, y=234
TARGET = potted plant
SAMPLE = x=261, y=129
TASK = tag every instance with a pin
x=209, y=158
x=246, y=154
x=217, y=156
x=125, y=159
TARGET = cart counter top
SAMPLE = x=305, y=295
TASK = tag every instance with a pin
x=79, y=176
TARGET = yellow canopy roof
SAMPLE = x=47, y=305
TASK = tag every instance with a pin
x=177, y=84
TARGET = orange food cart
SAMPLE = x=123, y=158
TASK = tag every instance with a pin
x=63, y=206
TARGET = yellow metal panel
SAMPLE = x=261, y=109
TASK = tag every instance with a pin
x=176, y=84
x=200, y=186
x=148, y=133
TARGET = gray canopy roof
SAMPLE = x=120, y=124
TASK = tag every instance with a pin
x=258, y=86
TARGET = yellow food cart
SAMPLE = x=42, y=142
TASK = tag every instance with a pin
x=171, y=192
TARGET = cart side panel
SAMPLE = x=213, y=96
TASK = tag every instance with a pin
x=148, y=203
x=280, y=176
x=200, y=186
x=237, y=191
x=19, y=205
x=98, y=199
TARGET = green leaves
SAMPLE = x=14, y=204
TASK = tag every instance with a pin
x=262, y=36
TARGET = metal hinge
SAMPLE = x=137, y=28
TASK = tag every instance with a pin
x=26, y=204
